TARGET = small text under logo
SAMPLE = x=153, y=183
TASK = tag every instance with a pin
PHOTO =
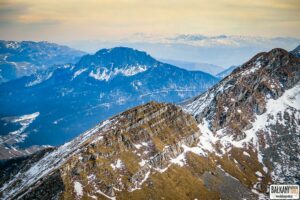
x=284, y=192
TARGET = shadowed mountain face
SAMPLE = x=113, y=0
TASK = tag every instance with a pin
x=219, y=145
x=54, y=106
x=19, y=59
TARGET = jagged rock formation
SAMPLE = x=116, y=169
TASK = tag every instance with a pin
x=241, y=135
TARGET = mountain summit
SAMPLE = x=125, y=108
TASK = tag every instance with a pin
x=108, y=63
x=118, y=57
x=212, y=146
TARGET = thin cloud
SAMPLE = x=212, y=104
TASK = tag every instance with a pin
x=10, y=11
x=91, y=19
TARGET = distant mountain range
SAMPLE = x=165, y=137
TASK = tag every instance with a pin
x=55, y=105
x=205, y=67
x=220, y=50
x=24, y=58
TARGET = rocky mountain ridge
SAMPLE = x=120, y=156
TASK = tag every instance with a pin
x=256, y=108
x=275, y=72
x=202, y=150
x=138, y=141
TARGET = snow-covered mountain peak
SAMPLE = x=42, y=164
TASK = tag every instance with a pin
x=108, y=63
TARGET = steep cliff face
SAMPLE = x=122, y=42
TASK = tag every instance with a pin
x=256, y=112
x=241, y=135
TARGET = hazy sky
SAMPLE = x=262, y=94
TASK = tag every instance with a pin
x=67, y=20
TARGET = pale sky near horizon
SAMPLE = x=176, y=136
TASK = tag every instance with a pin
x=71, y=20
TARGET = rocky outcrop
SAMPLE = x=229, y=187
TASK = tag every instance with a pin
x=162, y=160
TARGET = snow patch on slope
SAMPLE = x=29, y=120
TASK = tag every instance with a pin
x=101, y=74
x=253, y=69
x=117, y=165
x=207, y=138
x=104, y=74
x=78, y=188
x=12, y=45
x=39, y=79
x=290, y=99
x=78, y=72
x=274, y=108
